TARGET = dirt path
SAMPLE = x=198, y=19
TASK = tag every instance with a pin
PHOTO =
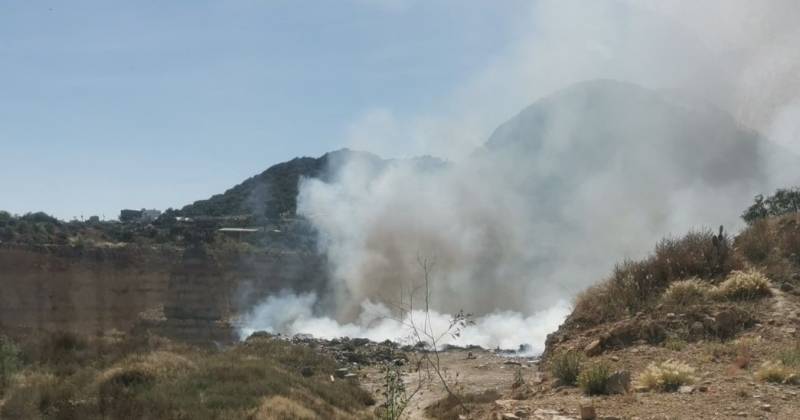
x=484, y=371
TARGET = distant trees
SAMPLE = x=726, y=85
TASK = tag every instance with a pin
x=782, y=202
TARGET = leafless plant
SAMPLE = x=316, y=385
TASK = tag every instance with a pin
x=423, y=335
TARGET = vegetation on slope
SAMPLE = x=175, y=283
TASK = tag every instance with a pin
x=272, y=193
x=65, y=376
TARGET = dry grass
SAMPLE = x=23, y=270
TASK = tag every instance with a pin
x=635, y=285
x=738, y=352
x=756, y=242
x=667, y=376
x=773, y=245
x=744, y=285
x=688, y=292
x=161, y=380
x=279, y=407
x=675, y=344
x=777, y=372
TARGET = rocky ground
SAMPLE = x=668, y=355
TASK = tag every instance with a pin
x=513, y=387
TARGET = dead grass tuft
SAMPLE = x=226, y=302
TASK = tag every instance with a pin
x=744, y=285
x=667, y=376
x=683, y=293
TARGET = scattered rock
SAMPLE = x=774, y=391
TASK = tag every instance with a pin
x=545, y=412
x=587, y=411
x=766, y=407
x=509, y=416
x=686, y=389
x=594, y=348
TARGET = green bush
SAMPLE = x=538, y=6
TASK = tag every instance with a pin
x=594, y=379
x=566, y=366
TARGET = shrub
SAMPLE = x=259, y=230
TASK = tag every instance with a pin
x=756, y=242
x=686, y=292
x=594, y=379
x=566, y=366
x=634, y=285
x=9, y=361
x=744, y=285
x=777, y=372
x=675, y=344
x=791, y=357
x=667, y=376
x=788, y=232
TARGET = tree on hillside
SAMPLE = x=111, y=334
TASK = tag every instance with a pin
x=782, y=202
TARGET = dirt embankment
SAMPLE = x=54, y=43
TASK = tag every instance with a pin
x=182, y=293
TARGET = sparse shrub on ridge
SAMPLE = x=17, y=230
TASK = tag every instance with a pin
x=635, y=285
x=566, y=366
x=667, y=376
x=593, y=380
x=744, y=285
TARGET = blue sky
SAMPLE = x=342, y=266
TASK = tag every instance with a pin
x=109, y=104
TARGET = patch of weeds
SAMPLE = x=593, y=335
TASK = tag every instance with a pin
x=675, y=344
x=594, y=379
x=566, y=367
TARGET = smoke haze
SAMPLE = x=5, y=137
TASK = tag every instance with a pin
x=589, y=175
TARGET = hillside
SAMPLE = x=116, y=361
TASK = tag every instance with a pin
x=273, y=193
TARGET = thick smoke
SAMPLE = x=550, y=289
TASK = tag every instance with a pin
x=590, y=175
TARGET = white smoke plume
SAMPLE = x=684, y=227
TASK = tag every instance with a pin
x=520, y=227
x=290, y=313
